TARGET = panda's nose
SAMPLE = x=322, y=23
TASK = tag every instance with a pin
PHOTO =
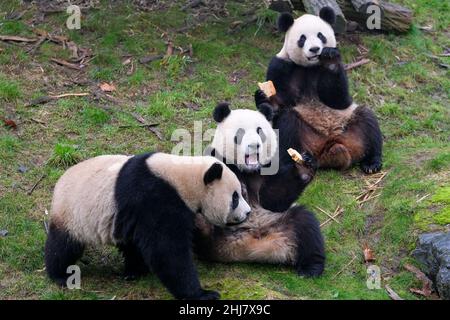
x=314, y=49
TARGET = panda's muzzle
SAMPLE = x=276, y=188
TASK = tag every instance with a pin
x=237, y=222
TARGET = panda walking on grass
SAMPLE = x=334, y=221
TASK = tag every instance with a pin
x=146, y=206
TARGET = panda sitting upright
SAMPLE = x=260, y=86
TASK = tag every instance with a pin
x=315, y=112
x=275, y=231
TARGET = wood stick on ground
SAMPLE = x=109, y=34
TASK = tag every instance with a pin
x=64, y=95
x=346, y=266
x=66, y=64
x=16, y=39
x=356, y=64
x=337, y=212
x=36, y=184
x=328, y=214
x=392, y=293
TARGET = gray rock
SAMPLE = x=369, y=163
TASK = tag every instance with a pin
x=433, y=252
x=3, y=233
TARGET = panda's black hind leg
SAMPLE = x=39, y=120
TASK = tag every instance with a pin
x=310, y=244
x=135, y=266
x=61, y=251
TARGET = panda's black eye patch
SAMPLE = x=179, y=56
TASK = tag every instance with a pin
x=301, y=42
x=322, y=37
x=235, y=200
x=261, y=134
x=239, y=136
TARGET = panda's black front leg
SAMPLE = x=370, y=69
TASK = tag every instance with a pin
x=169, y=255
x=135, y=266
x=332, y=86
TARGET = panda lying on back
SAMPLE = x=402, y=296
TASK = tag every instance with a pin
x=146, y=205
x=315, y=109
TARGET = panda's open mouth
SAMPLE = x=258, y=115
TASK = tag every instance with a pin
x=313, y=58
x=252, y=160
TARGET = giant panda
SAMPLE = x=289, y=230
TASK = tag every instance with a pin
x=146, y=206
x=246, y=142
x=315, y=112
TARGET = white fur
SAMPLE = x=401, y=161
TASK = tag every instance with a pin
x=84, y=199
x=249, y=120
x=308, y=25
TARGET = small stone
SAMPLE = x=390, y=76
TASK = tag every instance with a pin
x=3, y=233
x=22, y=169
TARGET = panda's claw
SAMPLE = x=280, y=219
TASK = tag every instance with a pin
x=372, y=167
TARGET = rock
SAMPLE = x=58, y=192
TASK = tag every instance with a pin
x=3, y=233
x=22, y=169
x=433, y=251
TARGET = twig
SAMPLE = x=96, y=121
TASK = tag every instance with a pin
x=392, y=293
x=346, y=266
x=329, y=215
x=139, y=125
x=356, y=64
x=337, y=212
x=36, y=184
x=422, y=198
x=66, y=64
x=16, y=39
x=81, y=94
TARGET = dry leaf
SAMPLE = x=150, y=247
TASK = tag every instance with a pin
x=107, y=87
x=368, y=255
x=10, y=123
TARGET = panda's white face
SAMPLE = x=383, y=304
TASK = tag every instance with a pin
x=222, y=200
x=305, y=40
x=246, y=139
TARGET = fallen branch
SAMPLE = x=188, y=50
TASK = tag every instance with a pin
x=152, y=129
x=392, y=293
x=45, y=99
x=67, y=64
x=337, y=212
x=346, y=266
x=426, y=282
x=36, y=184
x=16, y=39
x=328, y=214
x=356, y=64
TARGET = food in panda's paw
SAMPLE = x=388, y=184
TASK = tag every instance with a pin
x=295, y=155
x=268, y=88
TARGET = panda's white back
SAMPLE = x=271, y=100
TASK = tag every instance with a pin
x=83, y=199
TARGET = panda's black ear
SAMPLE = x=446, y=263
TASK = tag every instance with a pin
x=285, y=21
x=221, y=111
x=213, y=173
x=266, y=110
x=327, y=14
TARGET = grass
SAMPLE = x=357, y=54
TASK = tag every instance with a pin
x=406, y=88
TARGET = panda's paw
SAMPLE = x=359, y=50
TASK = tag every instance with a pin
x=330, y=54
x=309, y=160
x=371, y=167
x=311, y=271
x=208, y=295
x=330, y=59
x=260, y=97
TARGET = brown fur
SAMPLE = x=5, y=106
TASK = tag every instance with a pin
x=330, y=135
x=265, y=237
